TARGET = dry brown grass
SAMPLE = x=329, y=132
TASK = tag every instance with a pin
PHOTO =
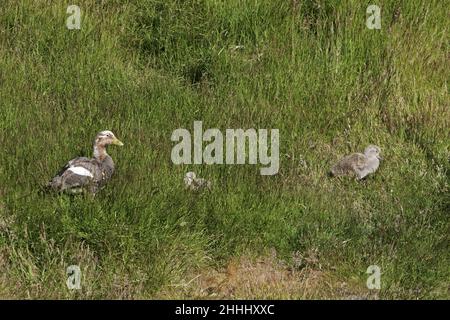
x=266, y=277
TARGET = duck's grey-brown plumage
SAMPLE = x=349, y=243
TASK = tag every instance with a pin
x=87, y=174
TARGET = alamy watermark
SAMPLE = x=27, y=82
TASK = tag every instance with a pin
x=74, y=277
x=236, y=141
x=73, y=22
x=374, y=19
x=374, y=280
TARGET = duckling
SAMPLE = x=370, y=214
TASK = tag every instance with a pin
x=358, y=164
x=196, y=184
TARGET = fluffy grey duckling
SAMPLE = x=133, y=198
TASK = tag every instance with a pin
x=358, y=164
x=196, y=184
x=87, y=174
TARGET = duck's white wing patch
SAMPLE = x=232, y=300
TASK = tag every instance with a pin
x=81, y=171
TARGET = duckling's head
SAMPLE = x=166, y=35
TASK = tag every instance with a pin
x=373, y=151
x=189, y=178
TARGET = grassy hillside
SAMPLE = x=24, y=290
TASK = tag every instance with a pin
x=143, y=68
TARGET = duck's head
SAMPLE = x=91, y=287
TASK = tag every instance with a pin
x=105, y=138
x=373, y=151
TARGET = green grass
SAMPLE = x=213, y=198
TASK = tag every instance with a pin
x=145, y=68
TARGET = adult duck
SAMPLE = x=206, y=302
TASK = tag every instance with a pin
x=84, y=174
